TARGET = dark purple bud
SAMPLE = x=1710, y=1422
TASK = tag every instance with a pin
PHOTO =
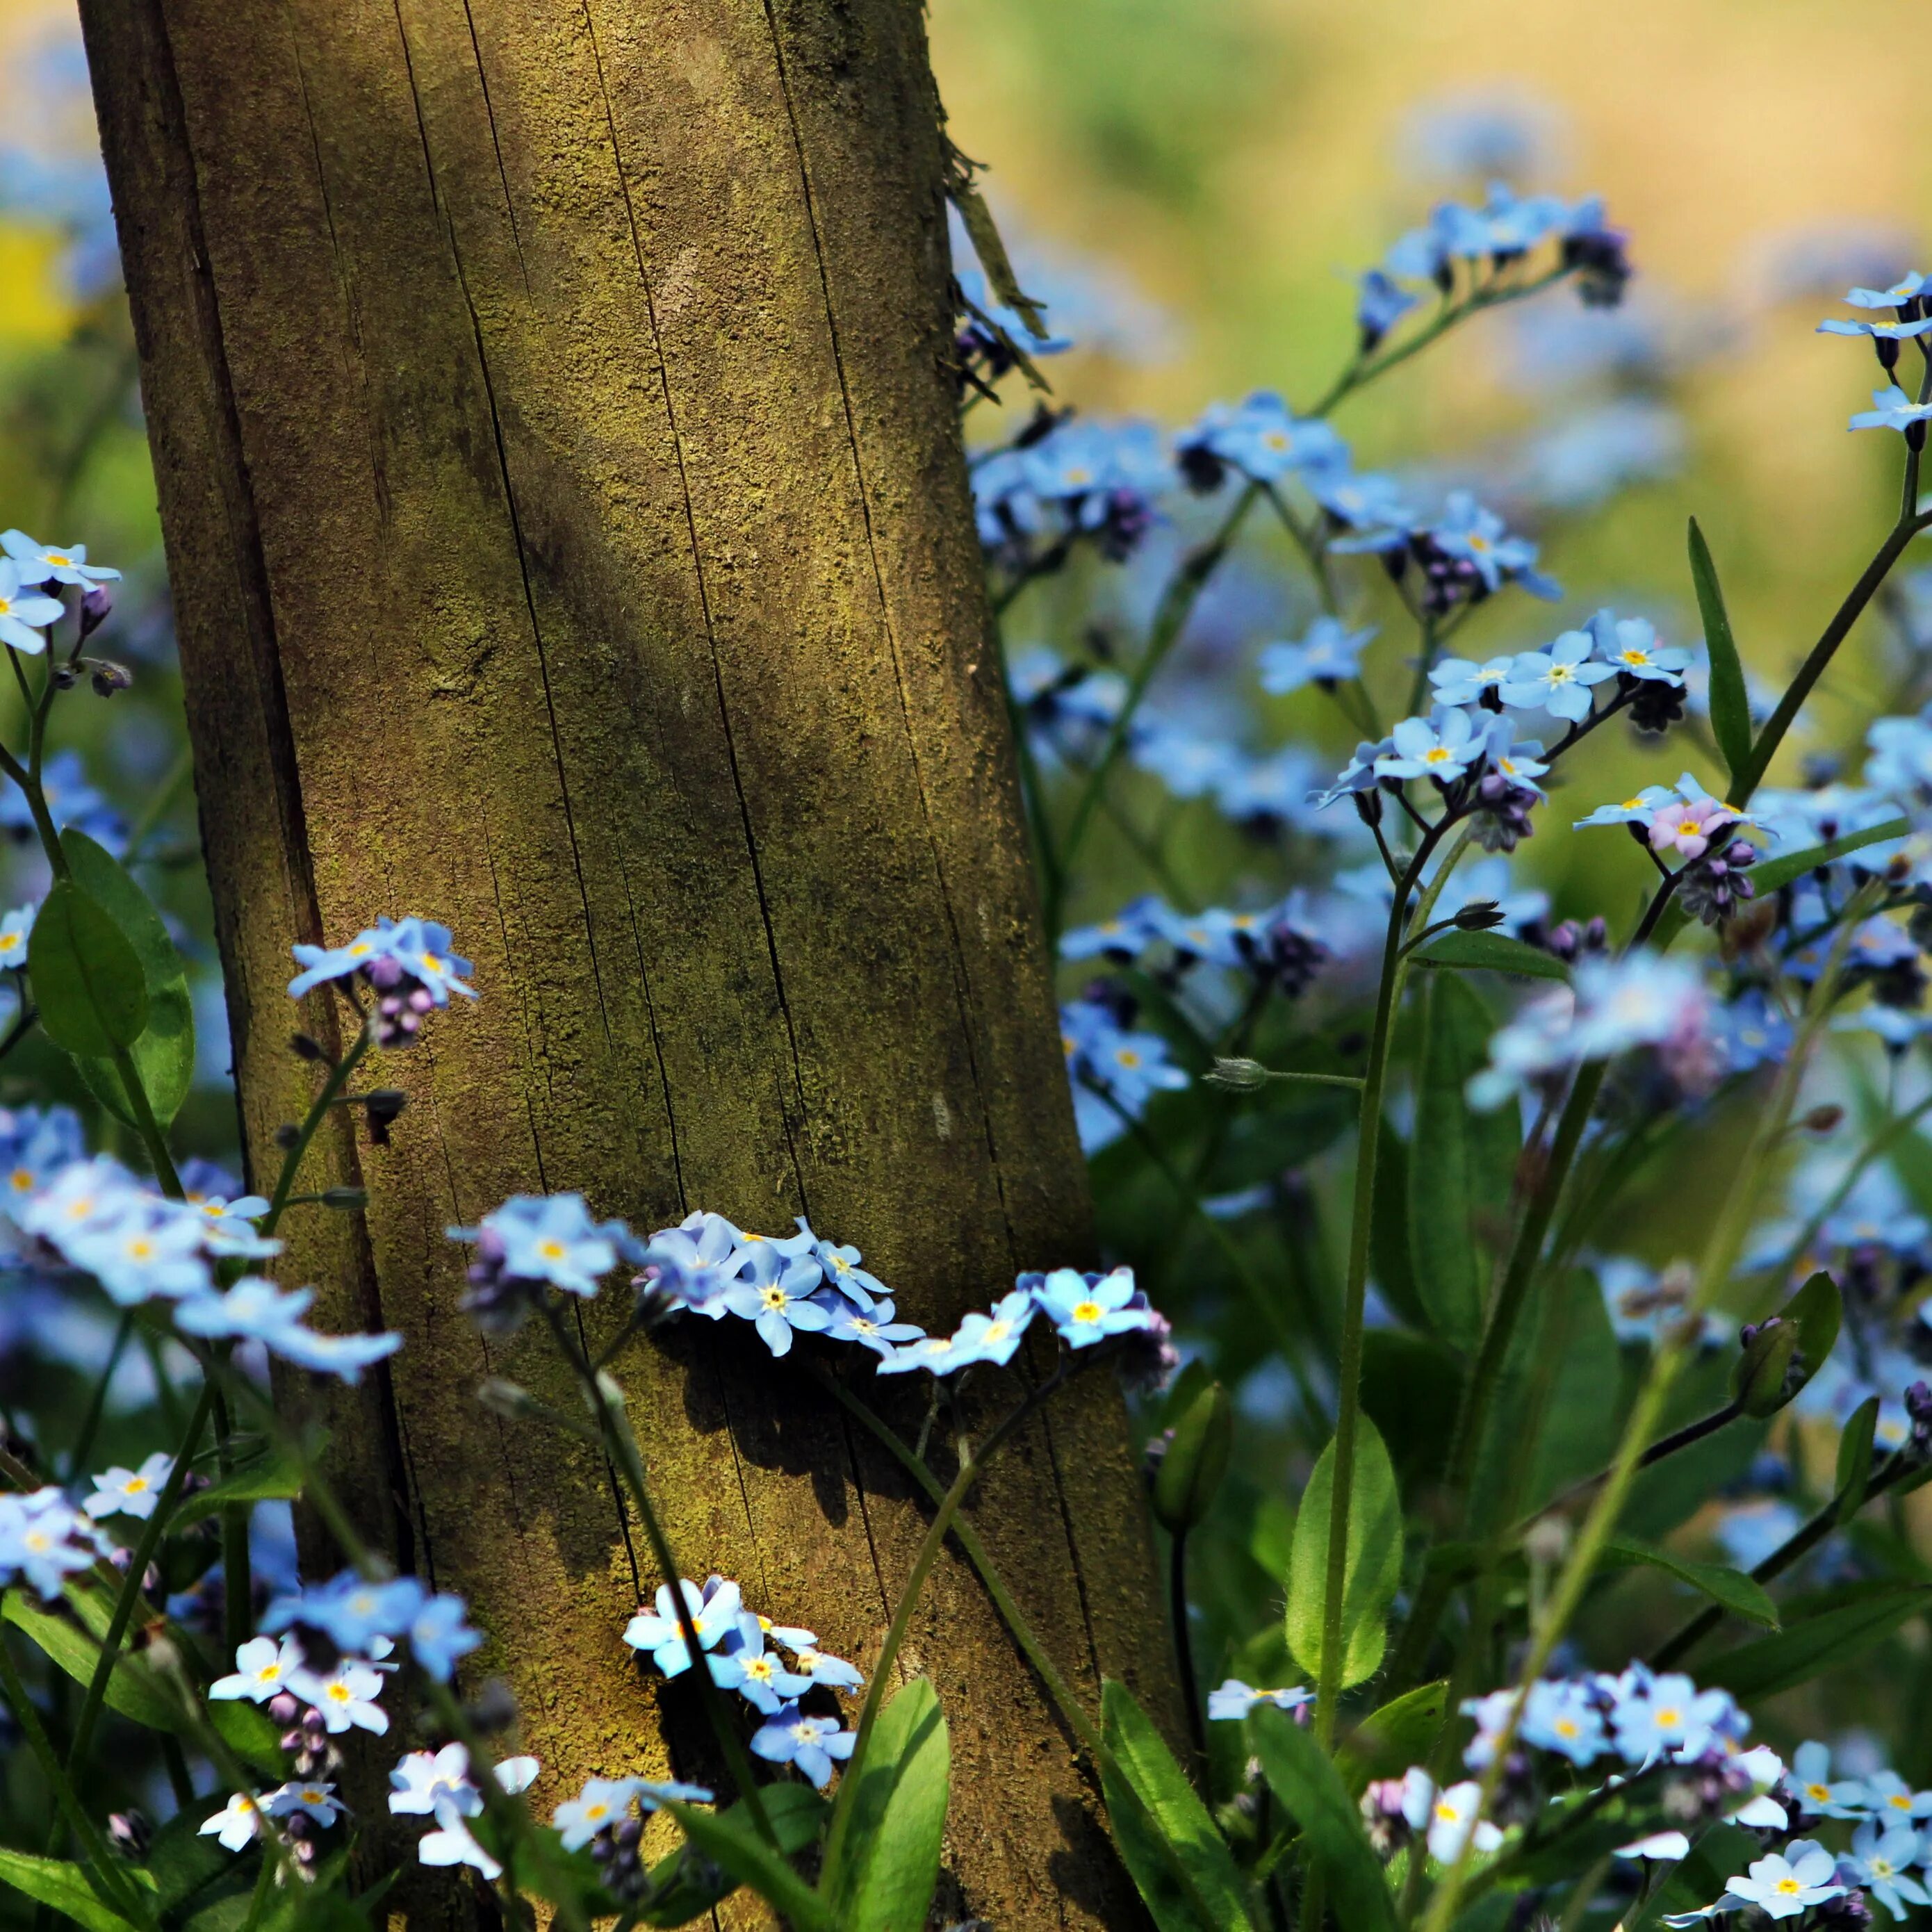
x=94, y=607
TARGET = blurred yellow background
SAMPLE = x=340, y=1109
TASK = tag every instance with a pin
x=1237, y=158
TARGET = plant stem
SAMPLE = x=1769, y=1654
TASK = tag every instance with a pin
x=971, y=1467
x=145, y=1124
x=1901, y=533
x=1183, y=1642
x=339, y=1077
x=1726, y=1243
x=622, y=1447
x=1349, y=1372
x=1680, y=1439
x=1176, y=607
x=99, y=1867
x=152, y=1533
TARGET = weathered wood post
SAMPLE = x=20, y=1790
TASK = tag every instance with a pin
x=570, y=540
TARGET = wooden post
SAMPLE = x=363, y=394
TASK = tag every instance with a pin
x=570, y=540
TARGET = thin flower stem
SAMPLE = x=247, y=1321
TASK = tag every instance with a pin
x=1176, y=607
x=1658, y=1451
x=622, y=1447
x=148, y=1542
x=147, y=1125
x=1720, y=1256
x=1908, y=525
x=99, y=1869
x=97, y=1401
x=1349, y=1372
x=1889, y=1473
x=339, y=1077
x=971, y=1467
x=1184, y=1643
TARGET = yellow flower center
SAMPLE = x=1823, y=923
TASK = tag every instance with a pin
x=1448, y=1814
x=135, y=1485
x=773, y=1297
x=1670, y=1716
x=593, y=1812
x=338, y=1693
x=268, y=1672
x=1900, y=1802
x=1128, y=1057
x=1788, y=1885
x=998, y=1331
x=1565, y=1727
x=23, y=1180
x=1479, y=543
x=1820, y=1792
x=1561, y=674
x=59, y=559
x=1087, y=1311
x=1435, y=755
x=551, y=1251
x=760, y=1667
x=1634, y=657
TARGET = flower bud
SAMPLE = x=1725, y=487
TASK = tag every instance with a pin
x=346, y=1200
x=306, y=1046
x=1763, y=1366
x=506, y=1399
x=1238, y=1076
x=1479, y=916
x=130, y=1833
x=1190, y=1472
x=94, y=607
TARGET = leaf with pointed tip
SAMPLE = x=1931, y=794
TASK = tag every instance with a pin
x=1730, y=704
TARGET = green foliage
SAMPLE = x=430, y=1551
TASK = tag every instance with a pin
x=87, y=981
x=884, y=1879
x=1374, y=1560
x=1307, y=1787
x=1732, y=1588
x=729, y=1840
x=164, y=1052
x=1788, y=1351
x=1492, y=952
x=65, y=1886
x=1841, y=1626
x=1196, y=1460
x=687, y=1883
x=1179, y=1861
x=1730, y=708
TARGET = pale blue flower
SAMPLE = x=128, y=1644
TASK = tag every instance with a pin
x=145, y=1253
x=1458, y=681
x=1328, y=653
x=1441, y=746
x=1264, y=439
x=1784, y=1886
x=1893, y=1801
x=1087, y=1308
x=1234, y=1699
x=1361, y=501
x=25, y=614
x=15, y=929
x=778, y=1298
x=743, y=1664
x=1878, y=1859
x=439, y=1635
x=1560, y=1716
x=603, y=1802
x=1905, y=289
x=1821, y=1795
x=352, y=1610
x=1880, y=331
x=715, y=1612
x=1892, y=409
x=1639, y=808
x=843, y=1274
x=994, y=1337
x=256, y=1310
x=812, y=1744
x=1557, y=680
x=875, y=1328
x=1380, y=304
x=43, y=563
x=551, y=1238
x=422, y=949
x=692, y=1264
x=121, y=1491
x=1477, y=537
x=336, y=962
x=1358, y=774
x=1629, y=646
x=1669, y=1713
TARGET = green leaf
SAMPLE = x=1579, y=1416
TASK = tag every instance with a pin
x=1388, y=1741
x=1818, y=1311
x=1854, y=1459
x=163, y=1055
x=1730, y=706
x=1388, y=1233
x=1449, y=1182
x=87, y=982
x=1411, y=1388
x=1374, y=1560
x=730, y=1839
x=885, y=1880
x=273, y=1476
x=1814, y=1312
x=1305, y=1784
x=1169, y=1844
x=1741, y=1594
x=54, y=1882
x=688, y=1884
x=251, y=1733
x=1492, y=952
x=1574, y=1378
x=1862, y=1615
x=1772, y=874
x=132, y=1688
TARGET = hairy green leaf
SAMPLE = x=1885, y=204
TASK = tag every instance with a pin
x=689, y=1883
x=1169, y=1844
x=132, y=1688
x=1374, y=1560
x=56, y=1883
x=87, y=982
x=1307, y=1787
x=1730, y=706
x=273, y=1476
x=1739, y=1593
